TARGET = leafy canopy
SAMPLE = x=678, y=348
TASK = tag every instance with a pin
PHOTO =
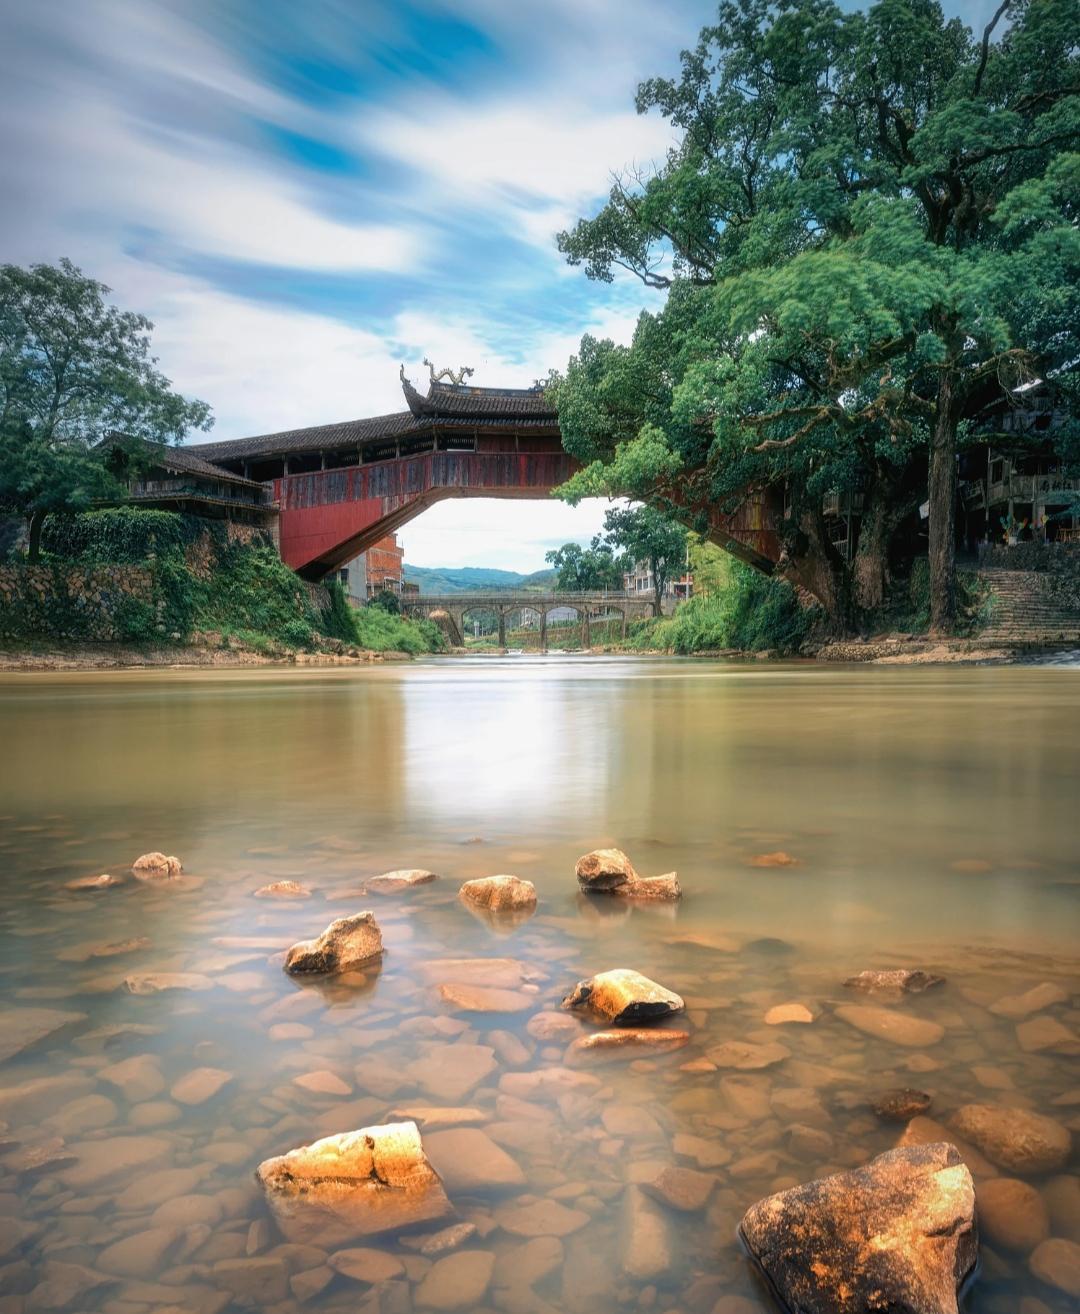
x=867, y=236
x=74, y=370
x=580, y=569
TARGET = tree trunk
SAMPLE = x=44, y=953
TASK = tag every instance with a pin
x=819, y=569
x=942, y=498
x=33, y=553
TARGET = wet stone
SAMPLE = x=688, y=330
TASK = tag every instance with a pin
x=745, y=1055
x=156, y=867
x=26, y=1027
x=541, y=1218
x=785, y=1014
x=891, y=1025
x=900, y=1105
x=450, y=1238
x=359, y=1183
x=467, y=1160
x=259, y=1281
x=154, y=983
x=322, y=1082
x=1014, y=1139
x=683, y=1189
x=1062, y=1196
x=896, y=1234
x=458, y=1281
x=102, y=882
x=1057, y=1263
x=623, y=997
x=346, y=944
x=141, y=1255
x=624, y=1044
x=604, y=869
x=199, y=1085
x=899, y=980
x=363, y=1264
x=1046, y=1035
x=1012, y=1214
x=485, y=999
x=646, y=1239
x=499, y=893
x=283, y=890
x=137, y=1078
x=1030, y=1001
x=395, y=882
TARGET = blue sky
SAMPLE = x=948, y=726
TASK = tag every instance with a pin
x=302, y=195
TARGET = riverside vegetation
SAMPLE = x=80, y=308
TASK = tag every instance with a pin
x=173, y=579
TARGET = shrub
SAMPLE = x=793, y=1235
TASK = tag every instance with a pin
x=297, y=634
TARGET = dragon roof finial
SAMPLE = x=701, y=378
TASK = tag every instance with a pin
x=456, y=379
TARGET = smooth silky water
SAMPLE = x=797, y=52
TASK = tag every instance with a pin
x=933, y=814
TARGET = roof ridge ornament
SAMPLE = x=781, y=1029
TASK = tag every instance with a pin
x=456, y=379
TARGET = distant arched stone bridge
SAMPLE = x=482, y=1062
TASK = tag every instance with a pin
x=588, y=607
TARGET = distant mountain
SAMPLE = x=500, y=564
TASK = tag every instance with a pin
x=473, y=579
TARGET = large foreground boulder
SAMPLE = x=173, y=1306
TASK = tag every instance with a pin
x=346, y=944
x=623, y=997
x=898, y=1234
x=358, y=1183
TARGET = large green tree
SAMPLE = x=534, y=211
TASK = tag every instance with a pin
x=580, y=569
x=867, y=237
x=641, y=533
x=74, y=370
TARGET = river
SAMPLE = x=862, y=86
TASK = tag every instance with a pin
x=930, y=816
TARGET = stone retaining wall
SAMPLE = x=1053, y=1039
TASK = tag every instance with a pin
x=71, y=602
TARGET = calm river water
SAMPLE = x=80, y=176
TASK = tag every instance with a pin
x=933, y=818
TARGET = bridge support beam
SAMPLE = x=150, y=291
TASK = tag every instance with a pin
x=543, y=631
x=586, y=641
x=502, y=629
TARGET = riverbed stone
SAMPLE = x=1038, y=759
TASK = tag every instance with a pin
x=347, y=943
x=141, y=1255
x=1062, y=1196
x=467, y=1159
x=499, y=893
x=137, y=1078
x=26, y=1027
x=891, y=1025
x=358, y=1183
x=544, y=1217
x=604, y=869
x=784, y=1014
x=661, y=889
x=88, y=1113
x=553, y=1027
x=507, y=973
x=779, y=858
x=899, y=1233
x=898, y=980
x=1057, y=1263
x=395, y=882
x=484, y=999
x=199, y=1085
x=156, y=867
x=1044, y=1034
x=322, y=1082
x=645, y=1237
x=1030, y=1001
x=624, y=1044
x=156, y=983
x=102, y=882
x=901, y=1104
x=684, y=1189
x=258, y=1280
x=623, y=997
x=1014, y=1139
x=364, y=1264
x=64, y=1286
x=283, y=890
x=747, y=1055
x=1012, y=1214
x=447, y=1239
x=450, y=1071
x=458, y=1281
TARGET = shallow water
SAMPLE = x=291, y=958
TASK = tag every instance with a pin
x=932, y=816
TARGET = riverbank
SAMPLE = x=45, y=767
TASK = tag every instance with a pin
x=111, y=657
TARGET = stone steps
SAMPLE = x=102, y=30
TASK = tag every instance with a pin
x=1025, y=613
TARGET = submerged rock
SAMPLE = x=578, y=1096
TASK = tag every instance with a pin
x=684, y=1189
x=899, y=980
x=624, y=997
x=499, y=893
x=153, y=983
x=347, y=943
x=626, y=1043
x=457, y=1281
x=777, y=859
x=358, y=1183
x=103, y=882
x=1034, y=1000
x=664, y=888
x=393, y=882
x=888, y=1024
x=897, y=1234
x=25, y=1027
x=468, y=1159
x=1014, y=1139
x=283, y=890
x=1012, y=1214
x=156, y=867
x=746, y=1055
x=786, y=1014
x=1057, y=1263
x=900, y=1105
x=484, y=999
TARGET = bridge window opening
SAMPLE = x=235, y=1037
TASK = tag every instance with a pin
x=452, y=442
x=379, y=452
x=417, y=446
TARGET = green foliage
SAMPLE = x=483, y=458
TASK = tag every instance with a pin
x=642, y=533
x=114, y=534
x=74, y=370
x=297, y=633
x=381, y=631
x=867, y=233
x=339, y=619
x=581, y=569
x=386, y=600
x=753, y=614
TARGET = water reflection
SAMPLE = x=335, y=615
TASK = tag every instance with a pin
x=822, y=821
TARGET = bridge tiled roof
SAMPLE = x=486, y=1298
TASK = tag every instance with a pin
x=445, y=406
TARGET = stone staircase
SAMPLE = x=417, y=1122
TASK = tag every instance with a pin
x=1032, y=608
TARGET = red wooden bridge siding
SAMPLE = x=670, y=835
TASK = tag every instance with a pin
x=330, y=516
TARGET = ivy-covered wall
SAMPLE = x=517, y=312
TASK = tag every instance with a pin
x=102, y=604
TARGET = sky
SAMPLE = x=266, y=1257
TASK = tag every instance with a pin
x=302, y=196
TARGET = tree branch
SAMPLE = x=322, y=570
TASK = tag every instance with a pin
x=986, y=44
